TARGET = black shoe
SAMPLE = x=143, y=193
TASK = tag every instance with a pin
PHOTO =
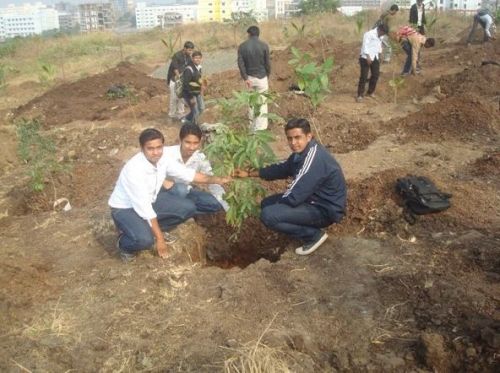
x=310, y=247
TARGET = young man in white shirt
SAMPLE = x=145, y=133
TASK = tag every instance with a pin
x=140, y=208
x=189, y=155
x=369, y=60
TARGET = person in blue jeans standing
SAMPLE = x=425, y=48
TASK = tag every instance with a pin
x=188, y=154
x=141, y=207
x=316, y=196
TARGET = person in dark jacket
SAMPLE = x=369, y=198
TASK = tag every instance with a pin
x=255, y=67
x=417, y=16
x=316, y=196
x=192, y=88
x=177, y=65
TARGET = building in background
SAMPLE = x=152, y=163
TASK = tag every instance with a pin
x=27, y=20
x=163, y=16
x=285, y=8
x=214, y=10
x=96, y=16
x=258, y=8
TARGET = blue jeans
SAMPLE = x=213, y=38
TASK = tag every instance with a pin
x=303, y=221
x=407, y=48
x=137, y=235
x=196, y=107
x=205, y=202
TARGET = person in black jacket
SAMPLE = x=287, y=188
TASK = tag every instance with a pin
x=177, y=65
x=255, y=67
x=192, y=89
x=316, y=196
x=417, y=16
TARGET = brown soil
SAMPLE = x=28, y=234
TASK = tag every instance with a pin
x=380, y=295
x=86, y=99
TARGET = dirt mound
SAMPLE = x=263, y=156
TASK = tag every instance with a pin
x=487, y=166
x=457, y=117
x=483, y=80
x=372, y=205
x=86, y=99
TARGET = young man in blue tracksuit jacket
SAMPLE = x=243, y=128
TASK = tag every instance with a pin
x=316, y=196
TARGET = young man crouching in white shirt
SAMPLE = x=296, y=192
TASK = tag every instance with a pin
x=189, y=155
x=141, y=208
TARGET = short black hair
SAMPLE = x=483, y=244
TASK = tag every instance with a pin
x=301, y=123
x=394, y=7
x=190, y=129
x=253, y=31
x=382, y=28
x=188, y=45
x=150, y=134
x=196, y=53
x=429, y=42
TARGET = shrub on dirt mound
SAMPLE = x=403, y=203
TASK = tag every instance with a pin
x=86, y=99
x=482, y=80
x=457, y=118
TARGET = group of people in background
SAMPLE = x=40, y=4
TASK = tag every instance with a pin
x=377, y=43
x=254, y=63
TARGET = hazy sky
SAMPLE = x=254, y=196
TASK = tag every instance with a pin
x=4, y=3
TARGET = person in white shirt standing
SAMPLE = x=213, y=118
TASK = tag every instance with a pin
x=189, y=155
x=140, y=207
x=369, y=60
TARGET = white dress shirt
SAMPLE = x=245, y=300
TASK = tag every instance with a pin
x=372, y=45
x=199, y=163
x=140, y=182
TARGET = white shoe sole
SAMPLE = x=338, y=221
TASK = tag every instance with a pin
x=313, y=248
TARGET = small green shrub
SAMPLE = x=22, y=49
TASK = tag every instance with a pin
x=38, y=152
x=46, y=74
x=233, y=146
x=311, y=78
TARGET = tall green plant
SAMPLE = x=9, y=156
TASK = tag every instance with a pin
x=38, y=152
x=312, y=78
x=233, y=146
x=3, y=76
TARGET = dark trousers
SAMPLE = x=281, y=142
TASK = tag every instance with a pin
x=477, y=21
x=302, y=222
x=374, y=69
x=408, y=50
x=137, y=235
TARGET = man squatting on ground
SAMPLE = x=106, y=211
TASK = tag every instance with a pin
x=189, y=155
x=369, y=60
x=180, y=60
x=484, y=18
x=141, y=207
x=315, y=198
x=388, y=19
x=412, y=42
x=254, y=63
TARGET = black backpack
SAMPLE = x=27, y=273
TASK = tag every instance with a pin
x=421, y=197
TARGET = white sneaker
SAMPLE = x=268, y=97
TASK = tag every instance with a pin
x=309, y=248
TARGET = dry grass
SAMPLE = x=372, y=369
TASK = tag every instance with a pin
x=256, y=357
x=74, y=57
